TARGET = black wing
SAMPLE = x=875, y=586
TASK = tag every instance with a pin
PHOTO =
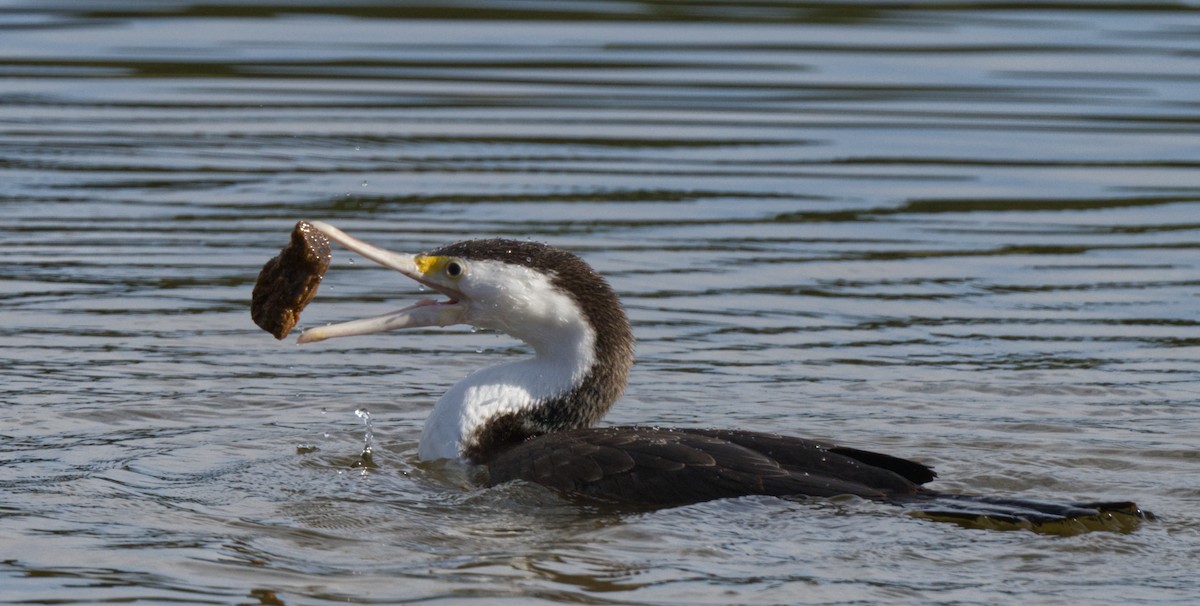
x=798, y=453
x=678, y=466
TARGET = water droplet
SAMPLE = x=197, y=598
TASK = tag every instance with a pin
x=364, y=459
x=351, y=260
x=357, y=148
x=364, y=183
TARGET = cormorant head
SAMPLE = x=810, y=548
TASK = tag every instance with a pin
x=534, y=292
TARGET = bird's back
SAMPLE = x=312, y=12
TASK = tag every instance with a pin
x=653, y=466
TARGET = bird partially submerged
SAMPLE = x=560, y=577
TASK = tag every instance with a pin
x=533, y=419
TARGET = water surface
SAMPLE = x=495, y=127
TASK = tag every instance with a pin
x=961, y=233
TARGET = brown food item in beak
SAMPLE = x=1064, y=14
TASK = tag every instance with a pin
x=288, y=282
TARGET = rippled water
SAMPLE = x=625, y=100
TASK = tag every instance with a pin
x=964, y=234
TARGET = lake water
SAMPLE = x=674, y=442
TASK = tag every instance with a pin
x=963, y=233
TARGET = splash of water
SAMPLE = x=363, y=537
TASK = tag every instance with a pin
x=365, y=461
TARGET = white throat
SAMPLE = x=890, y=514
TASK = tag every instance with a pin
x=526, y=306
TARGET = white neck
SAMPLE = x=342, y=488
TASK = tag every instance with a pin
x=564, y=348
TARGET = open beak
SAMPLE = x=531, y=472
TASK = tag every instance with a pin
x=426, y=312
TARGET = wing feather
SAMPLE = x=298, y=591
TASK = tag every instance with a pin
x=676, y=466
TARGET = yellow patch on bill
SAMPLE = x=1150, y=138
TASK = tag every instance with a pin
x=428, y=264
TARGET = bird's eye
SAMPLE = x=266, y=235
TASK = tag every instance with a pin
x=455, y=269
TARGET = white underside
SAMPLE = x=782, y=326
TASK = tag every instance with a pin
x=487, y=394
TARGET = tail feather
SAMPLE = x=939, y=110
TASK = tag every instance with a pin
x=1002, y=513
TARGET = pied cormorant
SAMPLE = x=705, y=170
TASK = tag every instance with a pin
x=534, y=419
